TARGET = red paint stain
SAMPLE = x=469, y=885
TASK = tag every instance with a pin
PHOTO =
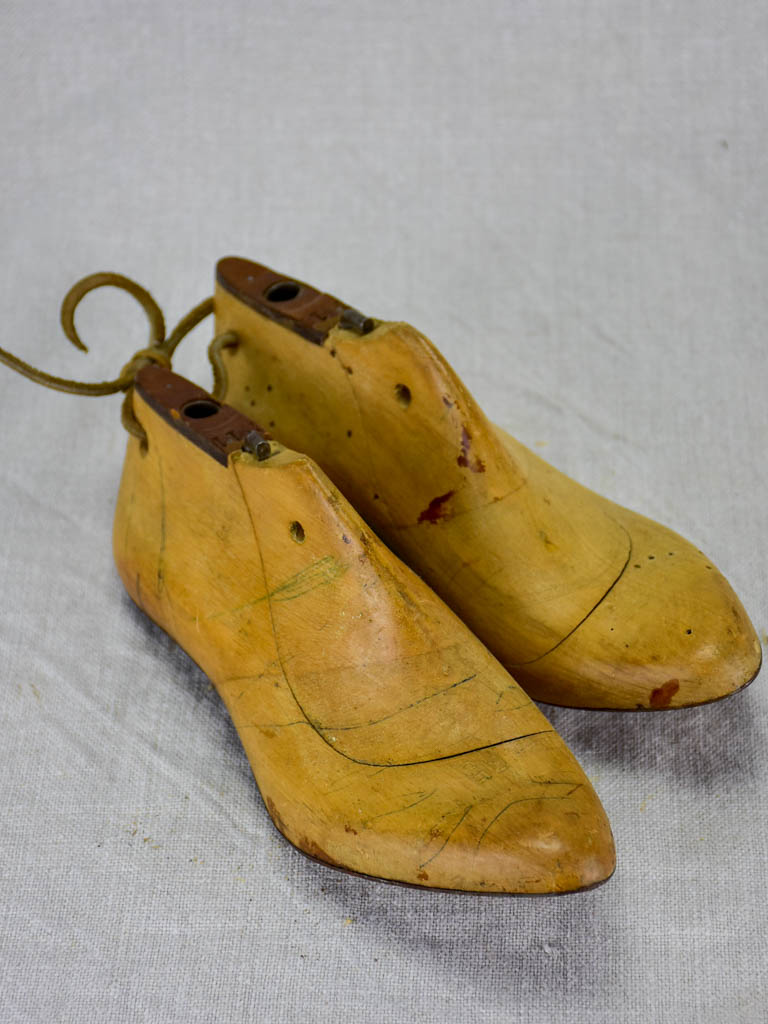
x=435, y=510
x=662, y=697
x=475, y=465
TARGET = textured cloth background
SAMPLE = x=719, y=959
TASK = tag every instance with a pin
x=570, y=199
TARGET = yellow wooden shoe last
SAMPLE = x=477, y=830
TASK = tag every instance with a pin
x=384, y=737
x=589, y=604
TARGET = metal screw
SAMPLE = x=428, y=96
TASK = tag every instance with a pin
x=354, y=320
x=254, y=443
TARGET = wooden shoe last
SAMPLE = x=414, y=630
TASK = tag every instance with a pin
x=384, y=737
x=587, y=603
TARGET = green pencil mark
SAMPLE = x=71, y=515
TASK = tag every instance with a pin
x=319, y=574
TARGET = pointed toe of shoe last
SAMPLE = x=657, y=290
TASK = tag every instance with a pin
x=384, y=737
x=541, y=569
x=482, y=821
x=670, y=632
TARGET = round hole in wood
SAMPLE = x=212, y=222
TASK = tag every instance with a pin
x=403, y=395
x=297, y=531
x=201, y=408
x=283, y=291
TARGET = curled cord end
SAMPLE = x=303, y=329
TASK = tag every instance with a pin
x=160, y=349
x=87, y=284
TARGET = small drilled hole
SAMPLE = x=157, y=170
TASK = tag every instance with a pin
x=403, y=394
x=283, y=291
x=297, y=531
x=201, y=409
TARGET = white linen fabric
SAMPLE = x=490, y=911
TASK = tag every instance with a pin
x=570, y=200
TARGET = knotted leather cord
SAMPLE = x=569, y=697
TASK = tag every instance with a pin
x=159, y=350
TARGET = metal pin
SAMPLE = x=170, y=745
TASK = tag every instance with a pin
x=354, y=320
x=255, y=444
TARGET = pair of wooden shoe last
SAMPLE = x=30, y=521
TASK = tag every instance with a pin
x=361, y=626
